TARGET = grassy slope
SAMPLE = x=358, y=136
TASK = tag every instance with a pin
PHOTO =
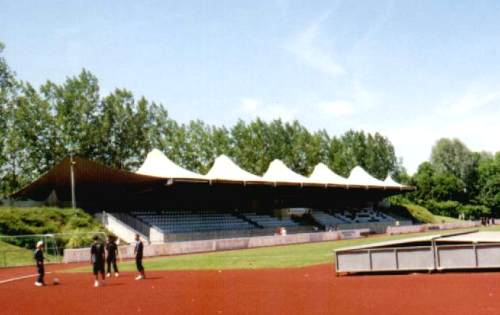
x=270, y=257
x=420, y=213
x=41, y=220
x=11, y=255
x=441, y=218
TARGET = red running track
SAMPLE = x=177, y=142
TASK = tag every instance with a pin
x=311, y=290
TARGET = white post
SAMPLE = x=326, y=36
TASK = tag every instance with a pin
x=72, y=174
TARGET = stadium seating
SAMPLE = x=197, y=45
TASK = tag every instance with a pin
x=179, y=222
x=268, y=221
x=186, y=221
x=364, y=215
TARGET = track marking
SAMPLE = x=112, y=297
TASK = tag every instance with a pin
x=22, y=277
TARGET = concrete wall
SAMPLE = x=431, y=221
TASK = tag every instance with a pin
x=377, y=227
x=176, y=248
x=156, y=235
x=120, y=229
x=393, y=230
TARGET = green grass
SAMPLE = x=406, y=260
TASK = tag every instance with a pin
x=290, y=256
x=420, y=213
x=11, y=256
x=441, y=218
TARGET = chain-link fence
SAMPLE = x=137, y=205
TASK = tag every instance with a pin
x=18, y=250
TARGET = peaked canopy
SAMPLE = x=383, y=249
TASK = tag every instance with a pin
x=360, y=177
x=323, y=174
x=279, y=172
x=224, y=169
x=391, y=182
x=158, y=165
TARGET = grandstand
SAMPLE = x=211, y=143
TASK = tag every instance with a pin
x=266, y=220
x=180, y=225
x=363, y=215
x=188, y=221
x=164, y=201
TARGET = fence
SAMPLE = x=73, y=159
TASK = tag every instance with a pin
x=393, y=230
x=176, y=248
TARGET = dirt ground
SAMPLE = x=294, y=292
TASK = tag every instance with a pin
x=311, y=290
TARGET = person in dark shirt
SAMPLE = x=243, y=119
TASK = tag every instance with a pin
x=112, y=250
x=138, y=251
x=39, y=264
x=97, y=259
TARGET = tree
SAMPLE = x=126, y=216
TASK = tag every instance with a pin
x=489, y=182
x=74, y=106
x=374, y=153
x=451, y=155
x=8, y=135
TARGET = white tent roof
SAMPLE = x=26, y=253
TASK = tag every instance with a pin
x=279, y=172
x=391, y=182
x=225, y=169
x=158, y=165
x=360, y=177
x=323, y=174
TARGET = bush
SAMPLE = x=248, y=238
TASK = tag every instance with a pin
x=420, y=213
x=402, y=207
x=79, y=239
x=474, y=211
x=448, y=208
x=46, y=220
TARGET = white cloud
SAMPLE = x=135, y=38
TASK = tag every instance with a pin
x=414, y=137
x=306, y=46
x=338, y=108
x=472, y=101
x=250, y=104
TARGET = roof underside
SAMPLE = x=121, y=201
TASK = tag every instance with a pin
x=99, y=186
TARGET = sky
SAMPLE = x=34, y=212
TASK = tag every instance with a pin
x=415, y=71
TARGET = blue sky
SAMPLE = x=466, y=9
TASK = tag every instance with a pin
x=413, y=70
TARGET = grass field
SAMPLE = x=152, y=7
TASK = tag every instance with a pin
x=11, y=255
x=290, y=256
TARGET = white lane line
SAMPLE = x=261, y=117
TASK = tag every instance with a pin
x=22, y=277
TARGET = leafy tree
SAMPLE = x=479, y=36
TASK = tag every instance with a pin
x=374, y=153
x=489, y=182
x=452, y=156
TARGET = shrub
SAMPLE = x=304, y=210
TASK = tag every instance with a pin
x=448, y=208
x=402, y=207
x=474, y=211
x=46, y=220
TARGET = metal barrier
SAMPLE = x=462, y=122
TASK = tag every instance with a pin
x=419, y=258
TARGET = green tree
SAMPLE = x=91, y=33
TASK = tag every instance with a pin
x=489, y=182
x=374, y=153
x=451, y=155
x=8, y=92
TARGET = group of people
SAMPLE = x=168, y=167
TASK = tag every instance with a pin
x=98, y=258
x=487, y=221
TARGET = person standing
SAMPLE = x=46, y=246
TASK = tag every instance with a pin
x=138, y=251
x=39, y=264
x=97, y=259
x=112, y=254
